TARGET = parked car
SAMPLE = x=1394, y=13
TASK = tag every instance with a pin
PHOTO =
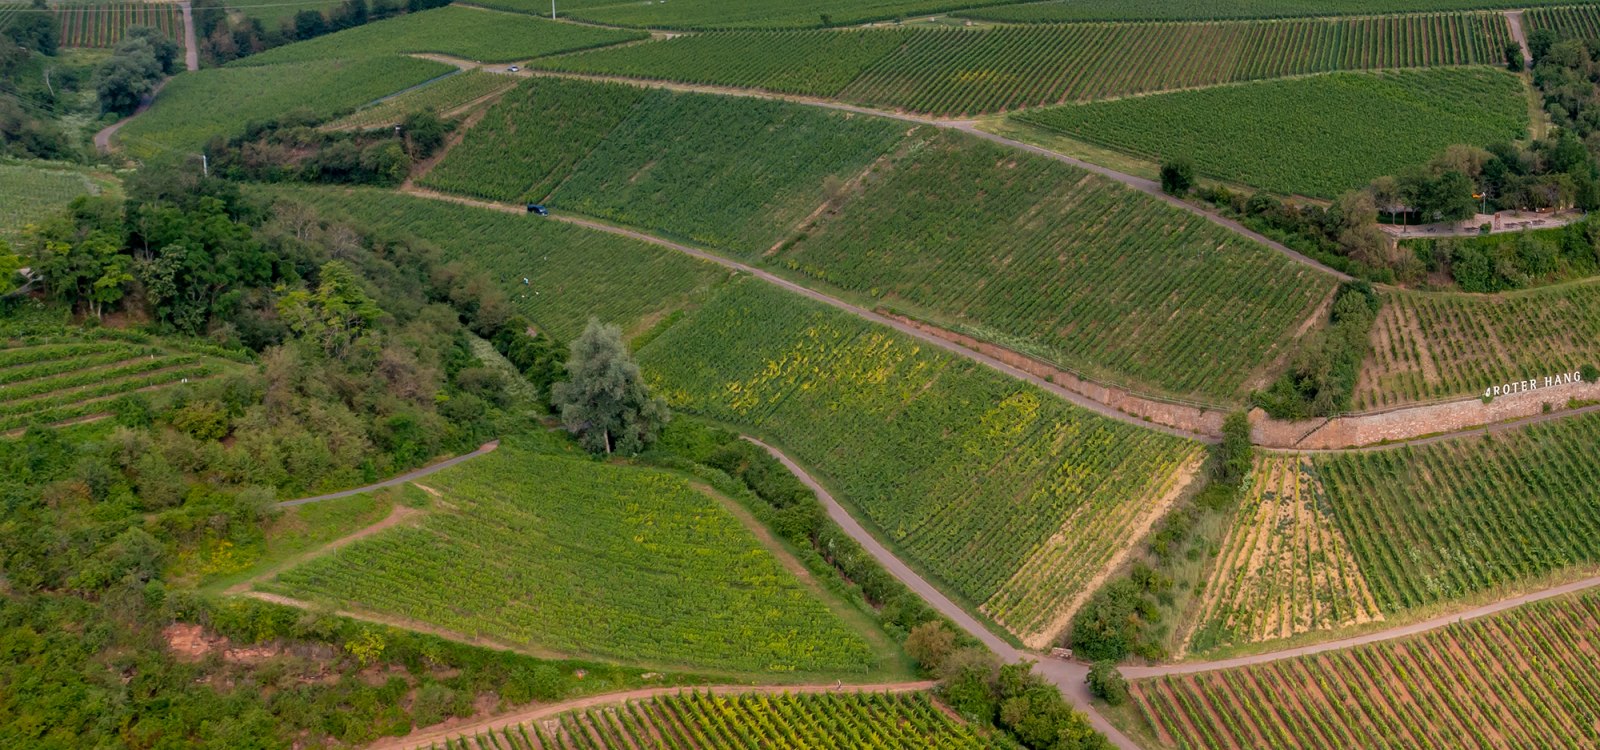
x=513, y=69
x=534, y=208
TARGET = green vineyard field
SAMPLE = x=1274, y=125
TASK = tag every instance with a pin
x=1523, y=678
x=1062, y=11
x=1431, y=346
x=1439, y=522
x=753, y=14
x=1581, y=21
x=195, y=107
x=29, y=194
x=964, y=72
x=439, y=97
x=104, y=24
x=583, y=558
x=896, y=721
x=1014, y=499
x=1317, y=136
x=1065, y=265
x=720, y=171
x=794, y=62
x=62, y=378
x=572, y=273
x=532, y=138
x=458, y=32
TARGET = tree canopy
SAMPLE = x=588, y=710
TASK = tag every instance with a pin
x=605, y=401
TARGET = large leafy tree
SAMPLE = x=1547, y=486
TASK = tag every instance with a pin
x=605, y=401
x=336, y=314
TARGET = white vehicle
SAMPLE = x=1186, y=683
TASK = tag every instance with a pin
x=513, y=69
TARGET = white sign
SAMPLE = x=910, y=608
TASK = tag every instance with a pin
x=1533, y=384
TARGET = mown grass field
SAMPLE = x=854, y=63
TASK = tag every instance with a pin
x=1429, y=346
x=1317, y=136
x=440, y=97
x=1284, y=567
x=1523, y=678
x=532, y=139
x=29, y=194
x=964, y=72
x=467, y=33
x=195, y=107
x=1442, y=521
x=1062, y=264
x=898, y=721
x=57, y=378
x=1012, y=498
x=1059, y=11
x=569, y=555
x=572, y=273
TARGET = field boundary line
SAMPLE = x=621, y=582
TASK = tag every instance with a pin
x=428, y=738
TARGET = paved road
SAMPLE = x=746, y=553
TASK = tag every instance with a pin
x=191, y=50
x=402, y=479
x=912, y=331
x=1067, y=676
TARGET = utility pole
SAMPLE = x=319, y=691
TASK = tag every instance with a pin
x=552, y=10
x=205, y=165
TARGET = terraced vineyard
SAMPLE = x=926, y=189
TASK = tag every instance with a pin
x=1284, y=567
x=1014, y=499
x=442, y=97
x=197, y=106
x=1062, y=264
x=28, y=194
x=712, y=14
x=1582, y=21
x=508, y=155
x=721, y=171
x=104, y=24
x=572, y=273
x=459, y=32
x=902, y=721
x=590, y=559
x=56, y=379
x=1524, y=678
x=1275, y=135
x=1441, y=521
x=1430, y=346
x=1060, y=11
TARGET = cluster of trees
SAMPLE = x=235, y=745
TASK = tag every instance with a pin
x=1131, y=615
x=1495, y=263
x=143, y=58
x=1011, y=696
x=28, y=42
x=224, y=37
x=291, y=148
x=1322, y=376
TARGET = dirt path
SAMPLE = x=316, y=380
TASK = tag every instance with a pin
x=399, y=514
x=909, y=330
x=1390, y=634
x=1067, y=676
x=102, y=139
x=402, y=479
x=430, y=737
x=1514, y=20
x=191, y=49
x=970, y=127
